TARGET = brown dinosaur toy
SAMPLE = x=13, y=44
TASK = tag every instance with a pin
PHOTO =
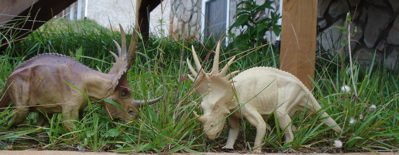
x=53, y=83
x=252, y=94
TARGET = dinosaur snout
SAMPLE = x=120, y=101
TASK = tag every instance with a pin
x=213, y=135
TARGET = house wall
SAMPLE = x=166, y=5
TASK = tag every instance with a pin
x=187, y=17
x=111, y=13
x=376, y=23
x=160, y=19
x=374, y=30
x=175, y=18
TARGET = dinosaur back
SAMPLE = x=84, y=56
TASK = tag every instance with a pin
x=49, y=76
x=51, y=59
x=264, y=88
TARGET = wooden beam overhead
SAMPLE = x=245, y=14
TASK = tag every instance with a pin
x=9, y=9
x=18, y=18
x=298, y=39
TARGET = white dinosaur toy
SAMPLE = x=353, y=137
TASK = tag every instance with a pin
x=251, y=94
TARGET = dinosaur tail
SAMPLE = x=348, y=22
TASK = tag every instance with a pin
x=329, y=121
x=4, y=98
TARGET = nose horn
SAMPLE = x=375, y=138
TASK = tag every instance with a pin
x=151, y=101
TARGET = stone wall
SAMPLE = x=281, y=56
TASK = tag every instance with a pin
x=185, y=18
x=112, y=13
x=374, y=29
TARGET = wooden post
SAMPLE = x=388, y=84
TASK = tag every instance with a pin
x=298, y=39
x=144, y=8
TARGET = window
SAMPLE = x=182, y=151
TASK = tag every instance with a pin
x=215, y=23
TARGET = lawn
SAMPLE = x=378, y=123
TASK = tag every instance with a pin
x=368, y=112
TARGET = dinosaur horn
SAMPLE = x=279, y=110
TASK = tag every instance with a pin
x=118, y=47
x=196, y=60
x=195, y=114
x=231, y=74
x=143, y=102
x=192, y=70
x=215, y=68
x=225, y=68
x=132, y=47
x=123, y=40
x=203, y=119
x=120, y=65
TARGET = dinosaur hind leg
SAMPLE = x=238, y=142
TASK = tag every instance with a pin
x=20, y=114
x=284, y=121
x=20, y=103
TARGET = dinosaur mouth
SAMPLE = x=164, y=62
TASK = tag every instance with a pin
x=214, y=136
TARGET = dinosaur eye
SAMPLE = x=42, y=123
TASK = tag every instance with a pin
x=216, y=108
x=124, y=93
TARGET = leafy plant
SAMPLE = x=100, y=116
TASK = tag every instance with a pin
x=252, y=28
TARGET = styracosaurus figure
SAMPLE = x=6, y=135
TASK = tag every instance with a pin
x=53, y=83
x=252, y=94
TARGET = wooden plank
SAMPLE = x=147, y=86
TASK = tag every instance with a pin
x=28, y=18
x=298, y=38
x=9, y=9
x=18, y=18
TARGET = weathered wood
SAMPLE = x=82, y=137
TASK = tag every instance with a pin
x=11, y=8
x=145, y=7
x=298, y=38
x=25, y=16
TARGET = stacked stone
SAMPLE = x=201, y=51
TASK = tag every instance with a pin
x=185, y=18
x=374, y=29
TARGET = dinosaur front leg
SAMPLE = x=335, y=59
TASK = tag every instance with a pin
x=257, y=120
x=42, y=118
x=70, y=114
x=233, y=132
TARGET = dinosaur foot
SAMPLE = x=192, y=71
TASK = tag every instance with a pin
x=257, y=150
x=228, y=147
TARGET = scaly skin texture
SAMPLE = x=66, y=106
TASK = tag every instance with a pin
x=252, y=94
x=53, y=83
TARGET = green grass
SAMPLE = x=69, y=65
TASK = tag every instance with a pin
x=170, y=126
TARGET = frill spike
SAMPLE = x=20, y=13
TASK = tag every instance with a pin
x=196, y=60
x=215, y=68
